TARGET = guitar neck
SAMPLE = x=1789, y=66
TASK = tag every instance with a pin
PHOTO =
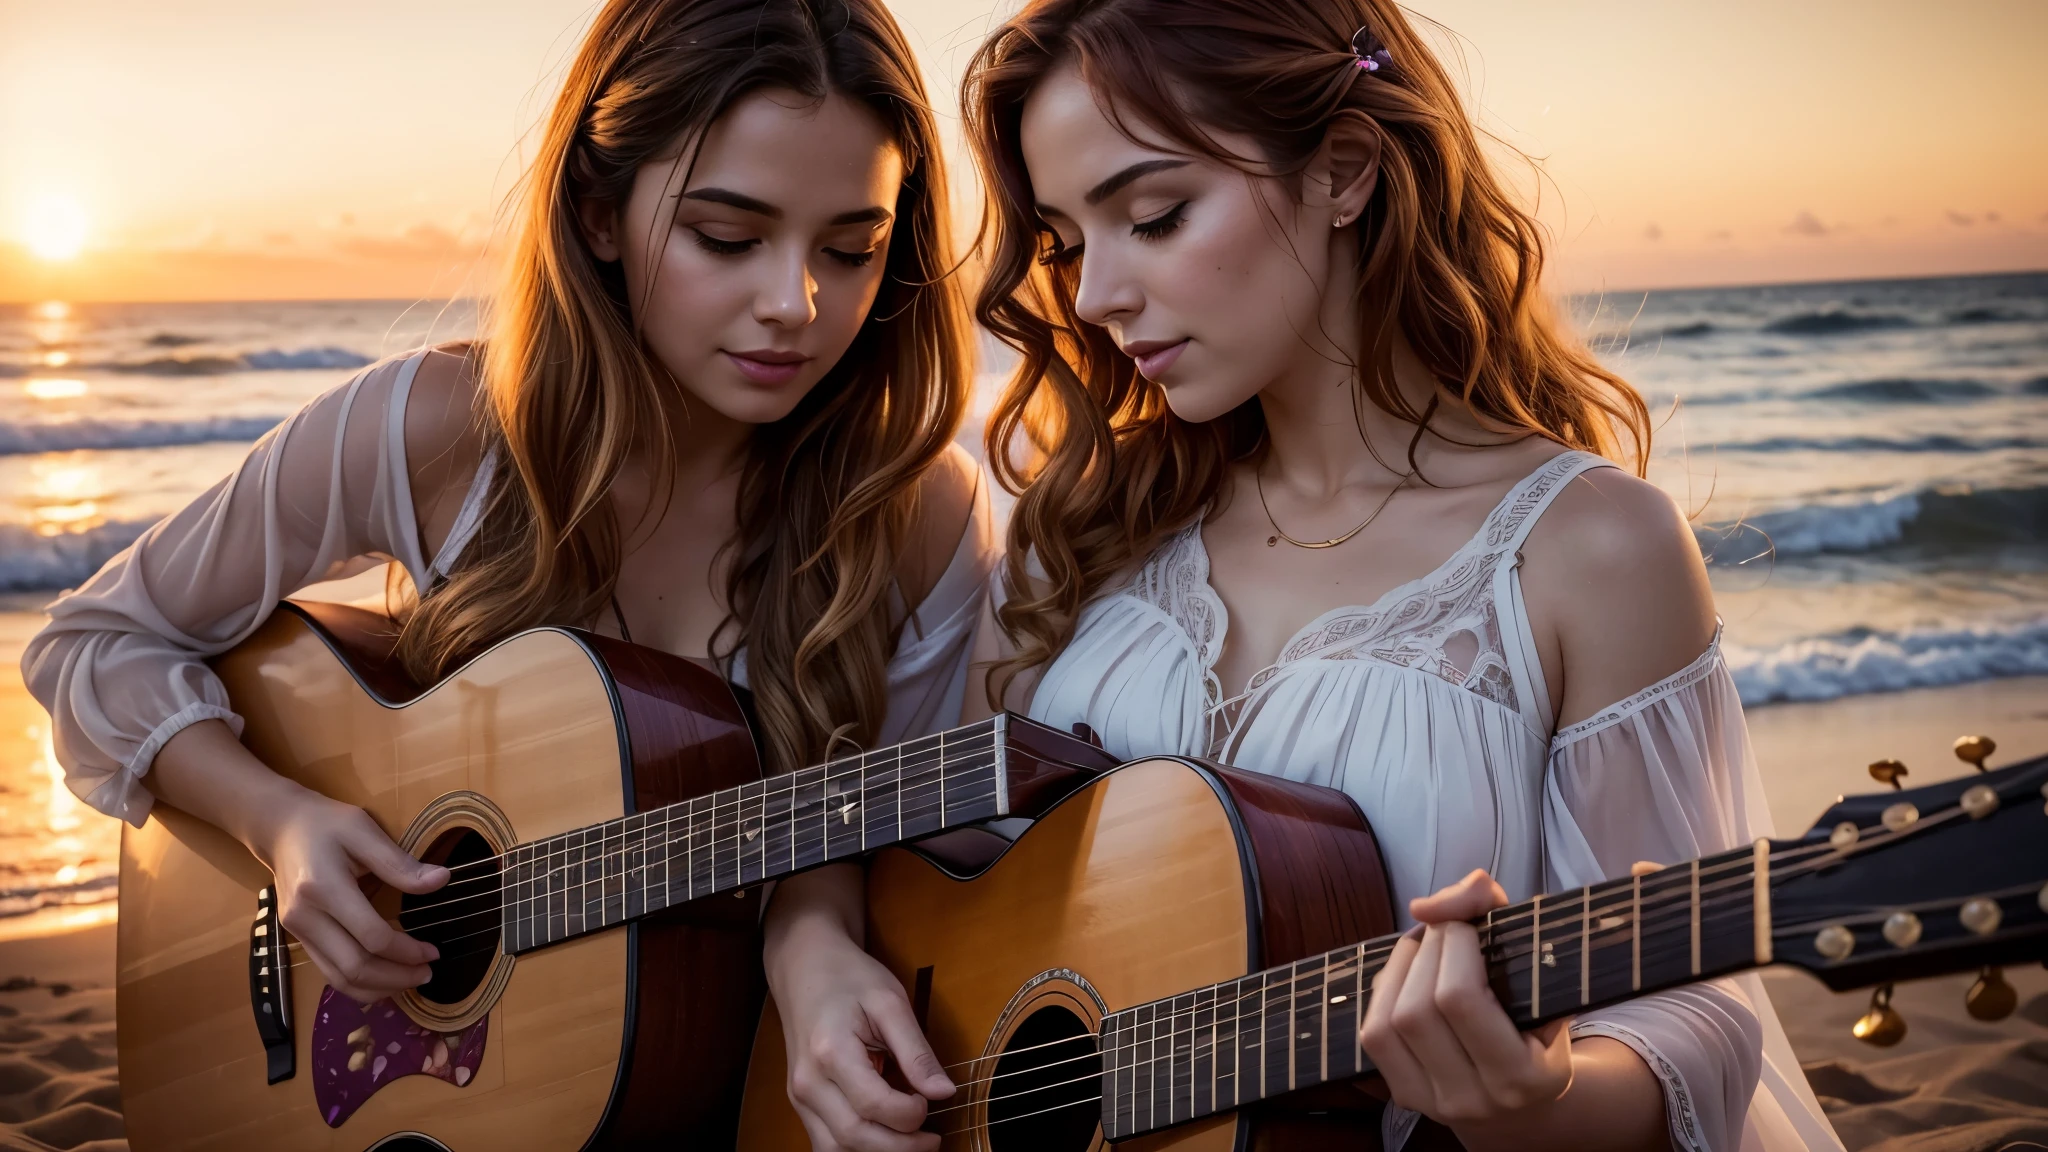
x=1296, y=1026
x=604, y=875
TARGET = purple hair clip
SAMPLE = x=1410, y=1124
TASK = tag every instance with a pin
x=1373, y=58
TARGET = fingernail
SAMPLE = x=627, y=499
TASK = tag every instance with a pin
x=433, y=953
x=1416, y=932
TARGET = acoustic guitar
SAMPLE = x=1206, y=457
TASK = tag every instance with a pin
x=1172, y=957
x=600, y=806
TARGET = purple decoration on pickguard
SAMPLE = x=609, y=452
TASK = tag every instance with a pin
x=391, y=1045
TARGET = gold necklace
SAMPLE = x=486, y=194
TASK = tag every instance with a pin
x=1279, y=533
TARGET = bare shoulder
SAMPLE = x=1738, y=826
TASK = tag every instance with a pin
x=1613, y=572
x=443, y=437
x=946, y=496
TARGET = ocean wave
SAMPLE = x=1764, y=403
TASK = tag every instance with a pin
x=1865, y=660
x=1904, y=390
x=92, y=889
x=1834, y=322
x=73, y=435
x=173, y=340
x=30, y=562
x=2038, y=386
x=1934, y=442
x=266, y=360
x=1929, y=519
x=1984, y=315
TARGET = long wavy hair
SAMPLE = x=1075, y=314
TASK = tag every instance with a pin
x=828, y=493
x=1103, y=470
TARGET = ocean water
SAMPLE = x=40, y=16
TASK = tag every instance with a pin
x=1864, y=463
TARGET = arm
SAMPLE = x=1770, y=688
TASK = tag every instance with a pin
x=838, y=1004
x=1618, y=598
x=138, y=714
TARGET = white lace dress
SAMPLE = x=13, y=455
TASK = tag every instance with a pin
x=1429, y=708
x=121, y=664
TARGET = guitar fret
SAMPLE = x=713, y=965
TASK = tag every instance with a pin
x=1585, y=946
x=1695, y=917
x=1635, y=934
x=1535, y=956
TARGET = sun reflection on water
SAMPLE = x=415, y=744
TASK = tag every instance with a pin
x=66, y=497
x=51, y=388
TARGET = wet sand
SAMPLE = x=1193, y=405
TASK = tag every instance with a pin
x=1953, y=1085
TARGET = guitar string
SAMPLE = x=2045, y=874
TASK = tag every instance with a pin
x=917, y=795
x=860, y=764
x=907, y=791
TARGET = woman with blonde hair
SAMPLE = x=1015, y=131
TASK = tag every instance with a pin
x=1309, y=481
x=712, y=412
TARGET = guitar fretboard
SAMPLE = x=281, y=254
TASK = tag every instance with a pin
x=1296, y=1026
x=595, y=878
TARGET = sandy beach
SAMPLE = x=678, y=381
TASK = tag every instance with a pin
x=1953, y=1085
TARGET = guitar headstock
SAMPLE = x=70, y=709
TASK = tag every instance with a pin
x=1918, y=882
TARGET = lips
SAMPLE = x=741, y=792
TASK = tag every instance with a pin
x=768, y=366
x=1154, y=357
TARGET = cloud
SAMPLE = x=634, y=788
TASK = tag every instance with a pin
x=1653, y=232
x=419, y=242
x=1959, y=219
x=1807, y=224
x=1991, y=217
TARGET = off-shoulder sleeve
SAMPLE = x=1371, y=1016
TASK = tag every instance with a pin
x=928, y=673
x=120, y=666
x=1668, y=775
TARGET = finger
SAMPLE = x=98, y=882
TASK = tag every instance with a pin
x=349, y=966
x=1397, y=1065
x=359, y=918
x=857, y=1133
x=1452, y=1078
x=364, y=996
x=1471, y=897
x=374, y=851
x=844, y=1062
x=1644, y=868
x=1506, y=1067
x=891, y=1016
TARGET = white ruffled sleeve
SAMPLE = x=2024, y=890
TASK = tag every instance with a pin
x=121, y=664
x=1668, y=775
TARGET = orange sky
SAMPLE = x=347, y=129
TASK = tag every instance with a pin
x=237, y=149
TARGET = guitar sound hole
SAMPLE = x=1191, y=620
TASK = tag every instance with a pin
x=1046, y=1092
x=461, y=918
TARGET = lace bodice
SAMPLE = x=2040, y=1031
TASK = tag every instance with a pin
x=1446, y=623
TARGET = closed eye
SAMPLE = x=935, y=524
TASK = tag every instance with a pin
x=717, y=247
x=1162, y=225
x=853, y=259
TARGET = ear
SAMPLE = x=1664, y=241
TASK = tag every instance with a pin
x=599, y=222
x=1346, y=169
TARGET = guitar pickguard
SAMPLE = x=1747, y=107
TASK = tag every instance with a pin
x=358, y=1049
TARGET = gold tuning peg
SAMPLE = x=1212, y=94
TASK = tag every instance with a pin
x=1888, y=772
x=1991, y=998
x=1882, y=1025
x=1975, y=750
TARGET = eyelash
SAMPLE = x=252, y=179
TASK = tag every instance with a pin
x=1157, y=228
x=1161, y=226
x=717, y=247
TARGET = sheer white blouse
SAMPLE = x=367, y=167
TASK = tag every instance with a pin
x=121, y=664
x=1429, y=708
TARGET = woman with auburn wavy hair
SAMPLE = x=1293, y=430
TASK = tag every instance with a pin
x=1311, y=481
x=711, y=413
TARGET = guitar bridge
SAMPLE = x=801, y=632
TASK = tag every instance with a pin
x=270, y=987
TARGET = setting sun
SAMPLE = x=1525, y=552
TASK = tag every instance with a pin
x=56, y=227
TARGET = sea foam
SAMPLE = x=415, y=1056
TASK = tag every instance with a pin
x=1865, y=660
x=31, y=562
x=18, y=439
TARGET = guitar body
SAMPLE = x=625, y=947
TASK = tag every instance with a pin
x=1160, y=876
x=617, y=1039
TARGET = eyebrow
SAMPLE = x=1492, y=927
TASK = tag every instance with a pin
x=1118, y=182
x=746, y=203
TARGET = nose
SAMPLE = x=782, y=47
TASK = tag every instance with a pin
x=790, y=298
x=1109, y=289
